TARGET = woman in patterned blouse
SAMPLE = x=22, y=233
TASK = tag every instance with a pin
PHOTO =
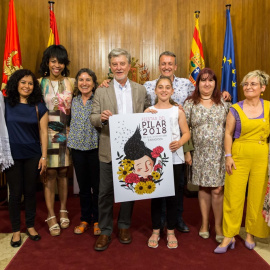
x=83, y=140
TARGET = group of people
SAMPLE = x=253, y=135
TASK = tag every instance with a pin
x=226, y=145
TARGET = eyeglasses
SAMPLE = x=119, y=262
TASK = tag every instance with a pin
x=249, y=84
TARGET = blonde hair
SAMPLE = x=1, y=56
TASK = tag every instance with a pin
x=260, y=75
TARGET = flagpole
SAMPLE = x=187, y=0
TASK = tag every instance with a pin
x=228, y=6
x=196, y=58
x=53, y=38
x=51, y=3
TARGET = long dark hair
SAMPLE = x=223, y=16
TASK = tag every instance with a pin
x=60, y=53
x=13, y=96
x=91, y=73
x=135, y=147
x=216, y=96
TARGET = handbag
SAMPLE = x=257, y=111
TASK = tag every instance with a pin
x=43, y=176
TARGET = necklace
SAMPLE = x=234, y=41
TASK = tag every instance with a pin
x=54, y=100
x=205, y=98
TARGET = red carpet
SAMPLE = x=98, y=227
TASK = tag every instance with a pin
x=70, y=251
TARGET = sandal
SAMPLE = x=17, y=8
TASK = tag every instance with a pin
x=64, y=222
x=155, y=242
x=171, y=244
x=97, y=230
x=54, y=229
x=84, y=226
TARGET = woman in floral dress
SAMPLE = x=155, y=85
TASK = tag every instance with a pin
x=206, y=115
x=57, y=91
x=266, y=205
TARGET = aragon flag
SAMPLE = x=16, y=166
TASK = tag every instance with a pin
x=196, y=57
x=53, y=38
x=12, y=53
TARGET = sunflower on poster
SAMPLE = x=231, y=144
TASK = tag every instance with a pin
x=142, y=168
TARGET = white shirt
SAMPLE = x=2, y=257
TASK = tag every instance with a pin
x=178, y=155
x=123, y=97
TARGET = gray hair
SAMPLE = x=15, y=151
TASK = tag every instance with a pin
x=169, y=54
x=118, y=51
x=260, y=75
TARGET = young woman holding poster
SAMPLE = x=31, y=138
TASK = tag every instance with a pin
x=164, y=91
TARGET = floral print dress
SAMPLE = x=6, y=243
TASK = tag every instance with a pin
x=207, y=133
x=58, y=96
x=266, y=205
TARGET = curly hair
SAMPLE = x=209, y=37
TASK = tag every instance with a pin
x=60, y=53
x=91, y=73
x=13, y=96
x=216, y=95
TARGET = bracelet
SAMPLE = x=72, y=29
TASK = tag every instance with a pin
x=228, y=155
x=44, y=158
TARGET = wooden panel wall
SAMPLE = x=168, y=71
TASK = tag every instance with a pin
x=89, y=29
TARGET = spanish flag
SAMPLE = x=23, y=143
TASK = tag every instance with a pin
x=12, y=53
x=196, y=54
x=53, y=38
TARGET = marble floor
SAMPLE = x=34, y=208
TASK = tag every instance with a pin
x=262, y=246
x=7, y=252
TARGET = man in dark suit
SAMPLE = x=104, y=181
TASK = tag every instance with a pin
x=121, y=97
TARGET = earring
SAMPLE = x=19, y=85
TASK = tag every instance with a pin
x=45, y=73
x=261, y=93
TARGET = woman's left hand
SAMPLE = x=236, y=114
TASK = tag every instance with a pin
x=174, y=145
x=226, y=96
x=180, y=107
x=42, y=165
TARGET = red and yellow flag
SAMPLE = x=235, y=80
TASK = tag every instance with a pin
x=196, y=54
x=12, y=53
x=53, y=38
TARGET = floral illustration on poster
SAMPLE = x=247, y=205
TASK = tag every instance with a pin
x=141, y=157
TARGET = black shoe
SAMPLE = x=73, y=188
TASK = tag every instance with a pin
x=181, y=226
x=33, y=237
x=16, y=243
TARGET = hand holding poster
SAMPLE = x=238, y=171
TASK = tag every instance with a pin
x=141, y=158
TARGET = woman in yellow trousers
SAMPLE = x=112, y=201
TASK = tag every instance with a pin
x=246, y=162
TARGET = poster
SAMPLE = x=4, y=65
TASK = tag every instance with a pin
x=141, y=159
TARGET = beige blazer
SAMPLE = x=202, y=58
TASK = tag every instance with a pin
x=105, y=99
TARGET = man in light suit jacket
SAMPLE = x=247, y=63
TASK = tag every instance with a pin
x=121, y=97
